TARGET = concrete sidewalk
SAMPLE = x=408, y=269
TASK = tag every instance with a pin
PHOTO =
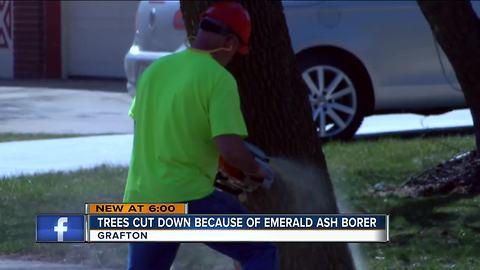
x=391, y=123
x=68, y=154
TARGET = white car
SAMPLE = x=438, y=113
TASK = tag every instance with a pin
x=357, y=58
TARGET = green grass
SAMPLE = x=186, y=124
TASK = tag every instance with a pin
x=434, y=233
x=8, y=137
x=22, y=198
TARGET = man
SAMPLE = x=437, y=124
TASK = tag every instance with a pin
x=187, y=113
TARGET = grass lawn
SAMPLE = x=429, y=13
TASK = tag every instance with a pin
x=22, y=198
x=435, y=233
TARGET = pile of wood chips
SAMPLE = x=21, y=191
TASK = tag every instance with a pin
x=460, y=174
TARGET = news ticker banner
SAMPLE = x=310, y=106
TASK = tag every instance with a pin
x=172, y=223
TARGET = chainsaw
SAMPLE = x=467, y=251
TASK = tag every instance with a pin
x=234, y=181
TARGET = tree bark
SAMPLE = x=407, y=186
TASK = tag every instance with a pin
x=457, y=29
x=279, y=120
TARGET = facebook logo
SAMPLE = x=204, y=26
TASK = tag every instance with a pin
x=64, y=228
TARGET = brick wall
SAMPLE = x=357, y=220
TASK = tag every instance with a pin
x=37, y=47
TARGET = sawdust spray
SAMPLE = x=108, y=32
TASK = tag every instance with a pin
x=301, y=189
x=298, y=189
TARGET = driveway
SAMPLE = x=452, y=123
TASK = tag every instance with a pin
x=64, y=106
x=59, y=107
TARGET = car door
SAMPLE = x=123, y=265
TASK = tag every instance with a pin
x=401, y=53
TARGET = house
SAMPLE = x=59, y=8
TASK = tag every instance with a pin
x=62, y=39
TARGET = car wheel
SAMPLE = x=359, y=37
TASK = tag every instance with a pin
x=337, y=95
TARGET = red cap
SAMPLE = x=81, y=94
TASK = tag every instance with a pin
x=234, y=16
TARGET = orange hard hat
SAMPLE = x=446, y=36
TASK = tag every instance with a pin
x=236, y=17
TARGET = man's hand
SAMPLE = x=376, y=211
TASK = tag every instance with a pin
x=235, y=153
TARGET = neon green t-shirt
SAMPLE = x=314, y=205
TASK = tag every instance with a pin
x=182, y=101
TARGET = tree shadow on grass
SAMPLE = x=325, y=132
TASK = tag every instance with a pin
x=421, y=211
x=422, y=225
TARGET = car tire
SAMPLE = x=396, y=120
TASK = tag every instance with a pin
x=341, y=102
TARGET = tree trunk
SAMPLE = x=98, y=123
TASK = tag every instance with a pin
x=279, y=120
x=457, y=29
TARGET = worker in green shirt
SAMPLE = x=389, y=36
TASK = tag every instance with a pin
x=187, y=113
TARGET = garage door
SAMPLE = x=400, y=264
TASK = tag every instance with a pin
x=96, y=36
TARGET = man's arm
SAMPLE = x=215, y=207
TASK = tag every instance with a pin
x=235, y=153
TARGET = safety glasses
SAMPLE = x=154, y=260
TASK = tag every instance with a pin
x=210, y=25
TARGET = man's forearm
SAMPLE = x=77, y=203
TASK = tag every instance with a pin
x=235, y=153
